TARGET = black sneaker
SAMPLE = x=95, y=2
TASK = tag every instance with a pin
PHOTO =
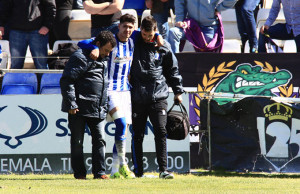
x=80, y=177
x=166, y=175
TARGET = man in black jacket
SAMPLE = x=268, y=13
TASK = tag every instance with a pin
x=29, y=22
x=84, y=90
x=153, y=68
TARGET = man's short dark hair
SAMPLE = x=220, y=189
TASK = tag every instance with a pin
x=127, y=18
x=104, y=37
x=149, y=24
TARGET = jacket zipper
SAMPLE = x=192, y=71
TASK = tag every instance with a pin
x=103, y=85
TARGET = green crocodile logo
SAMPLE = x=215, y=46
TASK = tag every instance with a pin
x=251, y=80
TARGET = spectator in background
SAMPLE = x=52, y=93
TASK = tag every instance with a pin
x=203, y=12
x=160, y=11
x=60, y=30
x=105, y=14
x=246, y=23
x=29, y=22
x=84, y=93
x=287, y=31
x=5, y=36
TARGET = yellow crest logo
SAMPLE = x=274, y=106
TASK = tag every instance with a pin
x=278, y=111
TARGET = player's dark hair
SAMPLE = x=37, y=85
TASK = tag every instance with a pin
x=127, y=18
x=149, y=24
x=104, y=37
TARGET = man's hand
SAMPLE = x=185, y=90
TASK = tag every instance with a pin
x=160, y=41
x=43, y=30
x=178, y=99
x=94, y=54
x=73, y=111
x=1, y=32
x=263, y=29
x=149, y=4
x=181, y=24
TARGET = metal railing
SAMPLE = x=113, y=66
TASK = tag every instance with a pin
x=30, y=71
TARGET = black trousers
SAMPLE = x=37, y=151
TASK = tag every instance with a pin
x=60, y=29
x=157, y=113
x=77, y=126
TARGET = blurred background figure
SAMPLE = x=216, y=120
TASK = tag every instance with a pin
x=160, y=10
x=104, y=14
x=29, y=22
x=246, y=22
x=203, y=12
x=6, y=27
x=282, y=31
x=60, y=30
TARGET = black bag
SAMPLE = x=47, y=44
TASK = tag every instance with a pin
x=61, y=56
x=178, y=123
x=271, y=46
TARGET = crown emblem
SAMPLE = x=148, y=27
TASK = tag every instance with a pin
x=278, y=111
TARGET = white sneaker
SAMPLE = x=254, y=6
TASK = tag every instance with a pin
x=149, y=176
x=166, y=175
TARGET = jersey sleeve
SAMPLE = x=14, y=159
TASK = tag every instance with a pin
x=87, y=44
x=137, y=33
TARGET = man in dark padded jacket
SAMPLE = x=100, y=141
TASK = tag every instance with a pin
x=153, y=68
x=29, y=22
x=84, y=90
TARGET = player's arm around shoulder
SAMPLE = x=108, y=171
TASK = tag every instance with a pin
x=88, y=45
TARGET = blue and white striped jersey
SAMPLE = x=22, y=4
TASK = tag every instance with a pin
x=119, y=62
x=119, y=65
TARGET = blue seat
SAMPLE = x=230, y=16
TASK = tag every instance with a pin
x=50, y=83
x=19, y=83
x=139, y=6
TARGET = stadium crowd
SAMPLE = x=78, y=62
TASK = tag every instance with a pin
x=21, y=24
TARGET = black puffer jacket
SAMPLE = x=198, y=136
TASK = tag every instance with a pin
x=27, y=15
x=84, y=85
x=152, y=70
